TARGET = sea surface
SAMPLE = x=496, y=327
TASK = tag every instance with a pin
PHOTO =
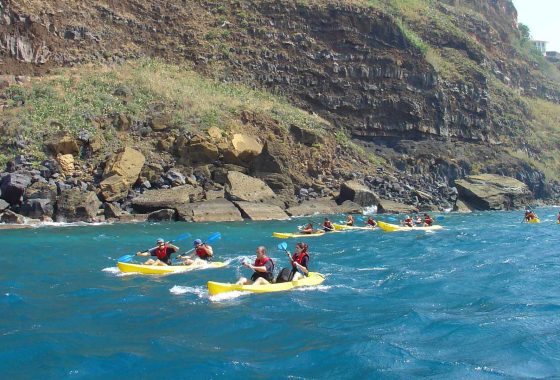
x=477, y=300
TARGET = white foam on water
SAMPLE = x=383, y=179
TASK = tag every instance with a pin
x=116, y=272
x=227, y=296
x=373, y=268
x=321, y=288
x=196, y=290
x=370, y=210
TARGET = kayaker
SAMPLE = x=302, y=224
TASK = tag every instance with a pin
x=418, y=220
x=371, y=222
x=407, y=222
x=428, y=221
x=349, y=220
x=558, y=218
x=327, y=225
x=300, y=260
x=202, y=250
x=162, y=252
x=263, y=267
x=529, y=215
x=308, y=229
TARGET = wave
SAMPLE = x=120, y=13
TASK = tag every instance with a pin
x=227, y=296
x=196, y=290
x=116, y=272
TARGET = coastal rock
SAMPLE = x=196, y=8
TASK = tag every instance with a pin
x=270, y=159
x=175, y=177
x=461, y=206
x=245, y=148
x=111, y=211
x=127, y=163
x=390, y=207
x=261, y=211
x=114, y=188
x=492, y=192
x=357, y=192
x=41, y=190
x=63, y=144
x=196, y=151
x=241, y=187
x=66, y=163
x=316, y=206
x=218, y=210
x=162, y=215
x=11, y=218
x=306, y=136
x=3, y=205
x=13, y=186
x=37, y=207
x=349, y=207
x=154, y=200
x=73, y=205
x=132, y=218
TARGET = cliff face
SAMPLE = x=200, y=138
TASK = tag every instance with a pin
x=450, y=71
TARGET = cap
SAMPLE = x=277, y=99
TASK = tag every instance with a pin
x=160, y=240
x=196, y=242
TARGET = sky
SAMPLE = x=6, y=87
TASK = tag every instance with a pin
x=543, y=19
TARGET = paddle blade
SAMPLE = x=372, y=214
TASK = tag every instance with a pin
x=283, y=246
x=392, y=219
x=214, y=236
x=125, y=258
x=440, y=217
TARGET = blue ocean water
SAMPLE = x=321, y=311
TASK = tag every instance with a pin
x=478, y=300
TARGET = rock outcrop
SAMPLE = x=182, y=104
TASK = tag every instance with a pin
x=261, y=211
x=322, y=206
x=121, y=171
x=13, y=186
x=74, y=205
x=358, y=193
x=390, y=207
x=217, y=210
x=154, y=200
x=493, y=192
x=241, y=187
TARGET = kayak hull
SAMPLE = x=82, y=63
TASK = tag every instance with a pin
x=287, y=235
x=342, y=227
x=536, y=220
x=314, y=278
x=388, y=227
x=156, y=269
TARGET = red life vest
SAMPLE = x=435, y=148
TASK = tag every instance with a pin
x=261, y=262
x=201, y=252
x=161, y=253
x=371, y=222
x=428, y=221
x=408, y=222
x=328, y=225
x=299, y=259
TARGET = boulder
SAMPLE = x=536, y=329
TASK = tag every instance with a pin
x=66, y=163
x=306, y=136
x=261, y=211
x=390, y=207
x=281, y=184
x=215, y=133
x=3, y=205
x=218, y=210
x=358, y=193
x=493, y=192
x=162, y=215
x=196, y=151
x=41, y=190
x=175, y=177
x=111, y=211
x=127, y=163
x=241, y=187
x=270, y=159
x=349, y=207
x=114, y=188
x=74, y=205
x=63, y=144
x=214, y=194
x=154, y=200
x=316, y=206
x=160, y=122
x=37, y=207
x=11, y=218
x=245, y=147
x=13, y=186
x=461, y=206
x=132, y=218
x=152, y=172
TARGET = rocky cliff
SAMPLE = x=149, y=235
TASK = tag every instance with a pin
x=437, y=89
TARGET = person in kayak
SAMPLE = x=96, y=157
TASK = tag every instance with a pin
x=300, y=261
x=428, y=221
x=371, y=222
x=418, y=220
x=162, y=252
x=263, y=267
x=408, y=222
x=349, y=220
x=202, y=250
x=327, y=225
x=530, y=215
x=558, y=218
x=308, y=229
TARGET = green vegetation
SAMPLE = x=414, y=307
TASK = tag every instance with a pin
x=84, y=99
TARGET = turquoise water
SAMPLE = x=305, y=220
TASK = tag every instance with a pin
x=479, y=300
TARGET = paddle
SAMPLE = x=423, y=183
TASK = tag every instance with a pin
x=127, y=258
x=284, y=247
x=210, y=239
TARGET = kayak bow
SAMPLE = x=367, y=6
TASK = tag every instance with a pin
x=166, y=269
x=388, y=227
x=314, y=278
x=287, y=235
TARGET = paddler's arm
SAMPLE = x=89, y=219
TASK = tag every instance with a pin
x=256, y=269
x=145, y=253
x=300, y=267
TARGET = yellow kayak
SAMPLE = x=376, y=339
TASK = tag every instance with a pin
x=287, y=235
x=166, y=269
x=314, y=278
x=536, y=220
x=388, y=227
x=343, y=227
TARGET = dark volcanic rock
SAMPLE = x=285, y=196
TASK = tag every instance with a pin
x=357, y=192
x=74, y=206
x=37, y=207
x=162, y=215
x=14, y=185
